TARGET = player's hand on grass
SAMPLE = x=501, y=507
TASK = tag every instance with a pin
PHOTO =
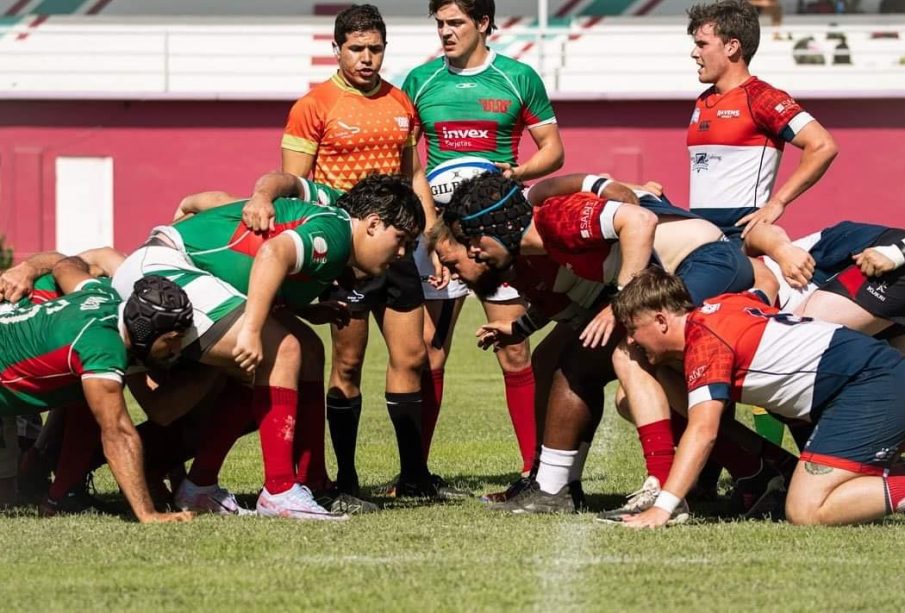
x=873, y=263
x=249, y=350
x=797, y=265
x=327, y=312
x=497, y=334
x=258, y=213
x=654, y=517
x=767, y=214
x=166, y=518
x=597, y=333
x=17, y=282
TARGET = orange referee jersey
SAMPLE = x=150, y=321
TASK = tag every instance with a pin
x=351, y=133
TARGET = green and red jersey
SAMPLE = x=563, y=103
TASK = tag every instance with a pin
x=48, y=348
x=479, y=111
x=218, y=242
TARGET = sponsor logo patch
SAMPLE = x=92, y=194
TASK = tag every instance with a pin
x=709, y=308
x=319, y=249
x=403, y=123
x=695, y=115
x=495, y=105
x=728, y=114
x=466, y=135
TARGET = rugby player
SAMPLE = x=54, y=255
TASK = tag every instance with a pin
x=342, y=130
x=736, y=347
x=574, y=221
x=474, y=101
x=740, y=125
x=75, y=350
x=311, y=245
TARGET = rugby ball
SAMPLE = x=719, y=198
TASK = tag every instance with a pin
x=446, y=176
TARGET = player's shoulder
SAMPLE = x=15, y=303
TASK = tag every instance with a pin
x=704, y=95
x=765, y=97
x=425, y=70
x=319, y=94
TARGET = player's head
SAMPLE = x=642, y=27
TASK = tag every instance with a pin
x=649, y=307
x=489, y=213
x=478, y=276
x=390, y=219
x=359, y=41
x=463, y=25
x=725, y=32
x=156, y=316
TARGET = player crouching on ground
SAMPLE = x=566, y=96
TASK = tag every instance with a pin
x=735, y=347
x=74, y=349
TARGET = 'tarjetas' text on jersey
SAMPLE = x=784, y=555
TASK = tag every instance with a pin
x=477, y=111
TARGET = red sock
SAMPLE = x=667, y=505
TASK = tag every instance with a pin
x=659, y=452
x=431, y=399
x=274, y=410
x=309, y=435
x=895, y=492
x=220, y=432
x=520, y=400
x=81, y=438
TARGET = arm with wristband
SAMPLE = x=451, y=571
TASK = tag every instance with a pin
x=691, y=455
x=499, y=334
x=881, y=259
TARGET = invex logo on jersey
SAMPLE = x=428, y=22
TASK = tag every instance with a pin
x=466, y=135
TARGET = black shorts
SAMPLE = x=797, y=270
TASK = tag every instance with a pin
x=882, y=296
x=399, y=288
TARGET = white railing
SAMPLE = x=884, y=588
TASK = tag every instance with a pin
x=270, y=59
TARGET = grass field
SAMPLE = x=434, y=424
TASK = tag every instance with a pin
x=447, y=557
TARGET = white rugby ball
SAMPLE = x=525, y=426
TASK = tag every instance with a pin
x=446, y=176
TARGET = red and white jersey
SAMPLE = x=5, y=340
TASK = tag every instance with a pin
x=577, y=231
x=735, y=142
x=737, y=348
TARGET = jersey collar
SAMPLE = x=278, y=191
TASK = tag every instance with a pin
x=341, y=83
x=468, y=72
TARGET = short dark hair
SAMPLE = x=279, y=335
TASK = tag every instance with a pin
x=358, y=18
x=476, y=9
x=652, y=289
x=390, y=197
x=731, y=19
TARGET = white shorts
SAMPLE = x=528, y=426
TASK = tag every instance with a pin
x=211, y=298
x=455, y=289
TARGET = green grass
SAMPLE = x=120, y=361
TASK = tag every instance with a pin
x=447, y=557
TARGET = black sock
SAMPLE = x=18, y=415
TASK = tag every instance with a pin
x=343, y=415
x=405, y=413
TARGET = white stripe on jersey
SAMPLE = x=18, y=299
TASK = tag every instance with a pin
x=782, y=374
x=726, y=177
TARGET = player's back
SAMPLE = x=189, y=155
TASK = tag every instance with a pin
x=48, y=346
x=784, y=363
x=219, y=242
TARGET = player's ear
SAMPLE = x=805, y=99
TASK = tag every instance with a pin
x=372, y=223
x=335, y=49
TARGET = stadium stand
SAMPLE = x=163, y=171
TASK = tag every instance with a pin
x=195, y=57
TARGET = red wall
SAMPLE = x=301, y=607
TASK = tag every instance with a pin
x=164, y=150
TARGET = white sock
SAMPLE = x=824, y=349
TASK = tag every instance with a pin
x=555, y=465
x=578, y=467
